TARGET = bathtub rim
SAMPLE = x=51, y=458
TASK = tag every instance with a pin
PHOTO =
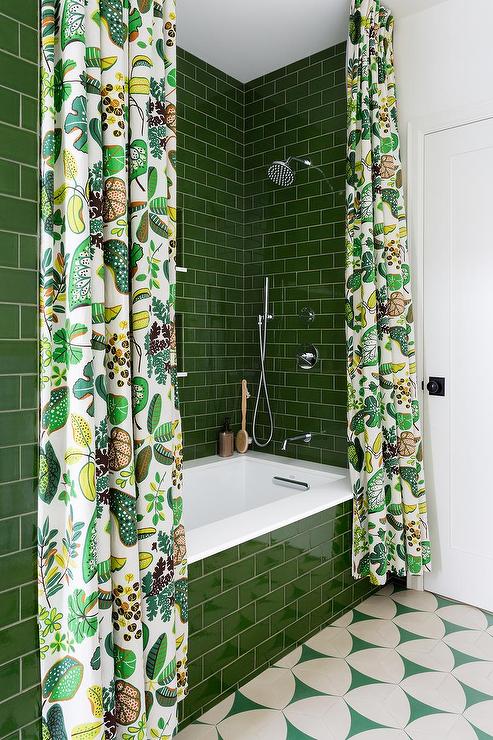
x=209, y=539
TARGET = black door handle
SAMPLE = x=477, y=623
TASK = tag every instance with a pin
x=436, y=386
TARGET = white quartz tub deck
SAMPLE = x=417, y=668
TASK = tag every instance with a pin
x=228, y=501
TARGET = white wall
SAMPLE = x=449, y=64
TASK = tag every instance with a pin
x=443, y=59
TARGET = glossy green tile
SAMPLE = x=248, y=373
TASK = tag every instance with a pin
x=9, y=613
x=18, y=639
x=10, y=679
x=220, y=606
x=19, y=710
x=17, y=144
x=18, y=427
x=29, y=113
x=343, y=599
x=15, y=213
x=17, y=498
x=237, y=573
x=28, y=252
x=28, y=527
x=9, y=35
x=238, y=621
x=220, y=560
x=270, y=603
x=17, y=357
x=9, y=249
x=284, y=573
x=30, y=670
x=254, y=589
x=28, y=596
x=29, y=322
x=14, y=736
x=205, y=692
x=10, y=465
x=309, y=601
x=205, y=588
x=195, y=672
x=29, y=391
x=254, y=635
x=268, y=559
x=29, y=183
x=32, y=731
x=18, y=568
x=9, y=322
x=223, y=655
x=10, y=180
x=196, y=618
x=9, y=106
x=29, y=48
x=236, y=671
x=270, y=650
x=205, y=640
x=255, y=545
x=25, y=12
x=29, y=460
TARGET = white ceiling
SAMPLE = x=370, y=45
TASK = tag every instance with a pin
x=247, y=40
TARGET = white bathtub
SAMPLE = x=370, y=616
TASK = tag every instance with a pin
x=228, y=501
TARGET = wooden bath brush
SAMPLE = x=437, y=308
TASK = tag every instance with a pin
x=242, y=438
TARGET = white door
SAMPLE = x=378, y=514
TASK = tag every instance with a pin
x=458, y=346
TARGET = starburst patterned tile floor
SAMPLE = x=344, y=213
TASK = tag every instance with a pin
x=403, y=664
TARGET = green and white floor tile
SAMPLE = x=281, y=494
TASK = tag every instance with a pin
x=403, y=664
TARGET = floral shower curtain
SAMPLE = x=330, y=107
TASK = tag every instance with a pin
x=390, y=530
x=111, y=545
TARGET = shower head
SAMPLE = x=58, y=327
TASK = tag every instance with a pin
x=282, y=174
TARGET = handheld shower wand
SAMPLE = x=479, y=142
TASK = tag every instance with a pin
x=262, y=330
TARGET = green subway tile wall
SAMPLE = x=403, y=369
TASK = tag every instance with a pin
x=237, y=227
x=19, y=692
x=253, y=603
x=210, y=156
x=295, y=235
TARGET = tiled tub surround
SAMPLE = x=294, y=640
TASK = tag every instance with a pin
x=239, y=227
x=210, y=205
x=254, y=601
x=295, y=235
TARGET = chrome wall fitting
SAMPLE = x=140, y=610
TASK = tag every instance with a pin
x=307, y=357
x=307, y=314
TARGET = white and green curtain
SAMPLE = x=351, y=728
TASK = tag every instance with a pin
x=111, y=544
x=390, y=530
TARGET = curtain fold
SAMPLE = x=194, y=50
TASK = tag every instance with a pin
x=111, y=543
x=390, y=530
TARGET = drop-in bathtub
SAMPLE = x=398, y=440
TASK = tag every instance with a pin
x=232, y=500
x=269, y=566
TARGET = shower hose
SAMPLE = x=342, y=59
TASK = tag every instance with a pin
x=262, y=332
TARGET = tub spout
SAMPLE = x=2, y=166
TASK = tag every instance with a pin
x=306, y=437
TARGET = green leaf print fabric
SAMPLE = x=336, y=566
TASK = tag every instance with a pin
x=390, y=530
x=111, y=543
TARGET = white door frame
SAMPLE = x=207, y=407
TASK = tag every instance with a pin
x=418, y=129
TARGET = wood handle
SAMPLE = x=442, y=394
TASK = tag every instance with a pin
x=243, y=405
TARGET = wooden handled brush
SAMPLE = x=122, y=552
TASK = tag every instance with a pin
x=242, y=438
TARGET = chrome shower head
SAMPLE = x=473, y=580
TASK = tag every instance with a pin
x=282, y=174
